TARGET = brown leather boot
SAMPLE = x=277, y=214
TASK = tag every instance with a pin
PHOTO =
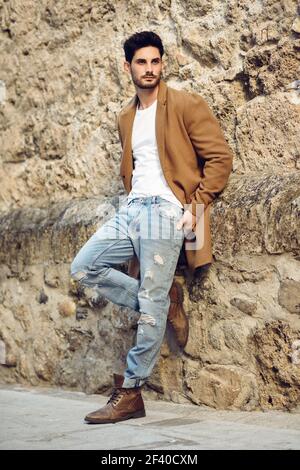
x=177, y=316
x=123, y=404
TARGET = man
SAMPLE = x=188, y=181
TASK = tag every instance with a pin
x=175, y=161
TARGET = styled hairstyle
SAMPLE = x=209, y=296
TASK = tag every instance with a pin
x=139, y=40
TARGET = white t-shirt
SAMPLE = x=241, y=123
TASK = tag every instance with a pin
x=147, y=177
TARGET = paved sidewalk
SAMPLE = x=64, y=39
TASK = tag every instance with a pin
x=44, y=418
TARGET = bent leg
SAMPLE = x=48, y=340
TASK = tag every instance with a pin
x=94, y=264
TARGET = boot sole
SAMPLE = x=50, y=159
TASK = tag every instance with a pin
x=180, y=294
x=180, y=300
x=137, y=414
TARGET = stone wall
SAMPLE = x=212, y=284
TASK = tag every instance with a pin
x=61, y=87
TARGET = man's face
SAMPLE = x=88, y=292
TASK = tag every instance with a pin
x=146, y=67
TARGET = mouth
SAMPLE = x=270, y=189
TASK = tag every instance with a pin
x=148, y=78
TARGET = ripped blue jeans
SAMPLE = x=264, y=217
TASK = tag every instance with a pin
x=145, y=226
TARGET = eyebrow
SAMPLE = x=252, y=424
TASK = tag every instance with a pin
x=141, y=58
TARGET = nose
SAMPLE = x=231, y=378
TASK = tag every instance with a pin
x=149, y=69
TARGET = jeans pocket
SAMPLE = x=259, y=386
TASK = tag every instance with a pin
x=169, y=216
x=170, y=211
x=132, y=201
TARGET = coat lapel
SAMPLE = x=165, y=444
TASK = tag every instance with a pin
x=128, y=115
x=160, y=121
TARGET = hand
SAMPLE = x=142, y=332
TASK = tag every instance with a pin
x=187, y=222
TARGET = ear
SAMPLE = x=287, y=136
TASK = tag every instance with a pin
x=126, y=66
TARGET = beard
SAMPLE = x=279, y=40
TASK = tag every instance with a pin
x=145, y=84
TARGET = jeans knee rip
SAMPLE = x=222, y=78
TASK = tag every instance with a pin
x=79, y=275
x=145, y=318
x=158, y=259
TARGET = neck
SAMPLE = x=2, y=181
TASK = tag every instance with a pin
x=146, y=97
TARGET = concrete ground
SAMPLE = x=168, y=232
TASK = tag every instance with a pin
x=44, y=418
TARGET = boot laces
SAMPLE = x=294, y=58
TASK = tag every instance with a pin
x=116, y=395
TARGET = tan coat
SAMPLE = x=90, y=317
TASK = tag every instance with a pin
x=194, y=155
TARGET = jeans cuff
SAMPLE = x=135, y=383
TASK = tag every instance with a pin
x=133, y=383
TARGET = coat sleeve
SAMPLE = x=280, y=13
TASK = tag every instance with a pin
x=210, y=145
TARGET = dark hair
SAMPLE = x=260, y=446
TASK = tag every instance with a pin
x=139, y=40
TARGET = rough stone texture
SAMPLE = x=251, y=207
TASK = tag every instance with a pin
x=61, y=87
